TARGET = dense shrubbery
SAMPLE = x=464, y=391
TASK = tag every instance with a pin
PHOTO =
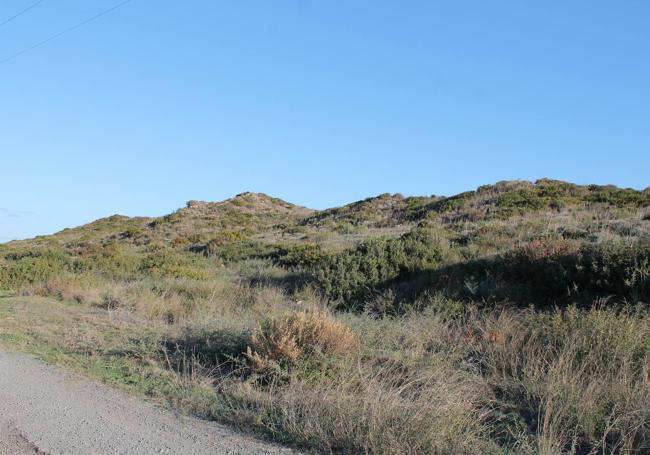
x=618, y=197
x=19, y=269
x=517, y=198
x=520, y=201
x=557, y=194
x=353, y=276
x=550, y=272
x=35, y=267
x=452, y=203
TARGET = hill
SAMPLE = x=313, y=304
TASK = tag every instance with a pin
x=247, y=213
x=508, y=319
x=468, y=246
x=260, y=216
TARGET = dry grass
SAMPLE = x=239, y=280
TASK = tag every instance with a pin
x=299, y=336
x=580, y=378
x=365, y=410
x=447, y=379
x=492, y=381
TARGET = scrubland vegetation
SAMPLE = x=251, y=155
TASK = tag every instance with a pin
x=510, y=319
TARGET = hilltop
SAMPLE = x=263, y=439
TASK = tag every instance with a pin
x=262, y=216
x=247, y=213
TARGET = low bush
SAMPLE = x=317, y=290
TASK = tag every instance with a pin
x=171, y=265
x=240, y=250
x=523, y=200
x=618, y=197
x=299, y=256
x=453, y=203
x=300, y=336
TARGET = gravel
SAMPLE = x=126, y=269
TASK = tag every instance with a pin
x=44, y=411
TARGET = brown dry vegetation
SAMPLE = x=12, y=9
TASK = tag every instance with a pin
x=281, y=343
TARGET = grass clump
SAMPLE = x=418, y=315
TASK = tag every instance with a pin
x=298, y=337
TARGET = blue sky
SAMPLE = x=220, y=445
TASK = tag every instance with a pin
x=319, y=102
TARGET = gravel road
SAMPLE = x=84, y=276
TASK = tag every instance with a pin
x=44, y=411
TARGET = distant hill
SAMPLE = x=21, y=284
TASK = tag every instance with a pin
x=246, y=212
x=265, y=218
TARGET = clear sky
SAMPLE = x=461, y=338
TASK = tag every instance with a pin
x=319, y=102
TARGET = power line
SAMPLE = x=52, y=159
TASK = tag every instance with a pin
x=67, y=30
x=5, y=22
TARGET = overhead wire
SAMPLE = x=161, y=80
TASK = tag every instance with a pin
x=67, y=30
x=33, y=5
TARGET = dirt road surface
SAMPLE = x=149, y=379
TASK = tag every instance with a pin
x=44, y=411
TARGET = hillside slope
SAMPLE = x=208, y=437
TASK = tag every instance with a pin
x=467, y=245
x=508, y=319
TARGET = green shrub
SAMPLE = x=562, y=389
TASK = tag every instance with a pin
x=299, y=256
x=453, y=203
x=352, y=276
x=619, y=197
x=240, y=250
x=131, y=232
x=20, y=269
x=168, y=264
x=114, y=263
x=619, y=269
x=522, y=199
x=550, y=272
x=227, y=236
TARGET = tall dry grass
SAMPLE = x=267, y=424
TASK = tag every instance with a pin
x=370, y=410
x=448, y=379
x=578, y=379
